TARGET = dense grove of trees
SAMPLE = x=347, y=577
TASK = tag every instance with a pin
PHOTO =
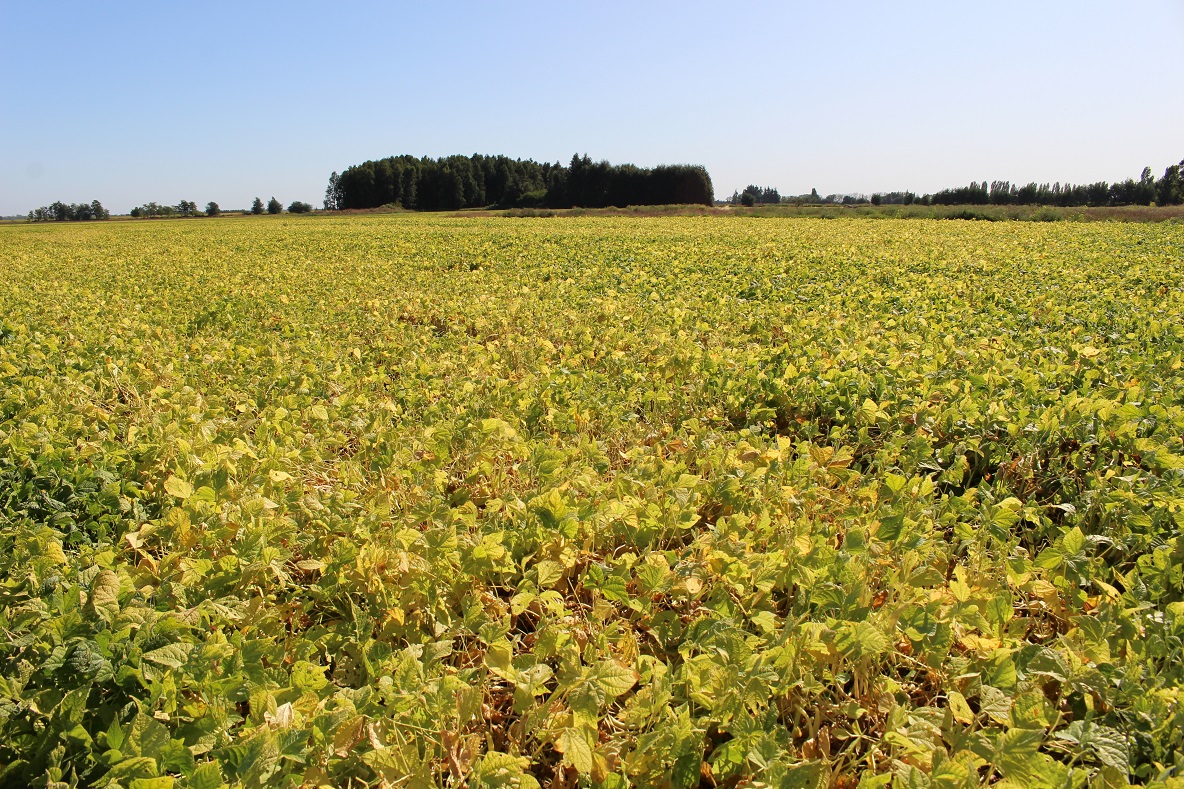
x=69, y=212
x=183, y=208
x=754, y=195
x=457, y=182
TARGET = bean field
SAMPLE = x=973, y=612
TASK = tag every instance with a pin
x=419, y=501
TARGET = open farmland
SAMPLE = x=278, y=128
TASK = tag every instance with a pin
x=689, y=501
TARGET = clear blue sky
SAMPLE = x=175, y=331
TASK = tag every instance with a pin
x=135, y=101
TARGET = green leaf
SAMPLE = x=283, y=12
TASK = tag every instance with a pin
x=585, y=703
x=72, y=707
x=533, y=681
x=576, y=746
x=79, y=737
x=147, y=736
x=172, y=655
x=805, y=775
x=995, y=704
x=871, y=780
x=1007, y=513
x=550, y=508
x=497, y=770
x=1000, y=609
x=860, y=640
x=1073, y=542
x=134, y=767
x=1106, y=744
x=161, y=782
x=260, y=758
x=1112, y=749
x=498, y=659
x=87, y=660
x=890, y=528
x=521, y=601
x=549, y=573
x=613, y=678
x=1016, y=751
x=308, y=676
x=115, y=736
x=1093, y=634
x=208, y=775
x=614, y=588
x=1049, y=663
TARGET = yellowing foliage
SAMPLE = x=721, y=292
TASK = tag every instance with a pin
x=422, y=501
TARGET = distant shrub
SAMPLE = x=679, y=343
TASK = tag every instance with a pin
x=533, y=213
x=970, y=213
x=298, y=207
x=532, y=199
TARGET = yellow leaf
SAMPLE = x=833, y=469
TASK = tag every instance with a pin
x=980, y=644
x=104, y=594
x=175, y=486
x=498, y=657
x=55, y=553
x=959, y=708
x=349, y=734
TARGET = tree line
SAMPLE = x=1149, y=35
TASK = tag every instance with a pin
x=763, y=195
x=58, y=211
x=187, y=208
x=454, y=182
x=1168, y=190
x=82, y=212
